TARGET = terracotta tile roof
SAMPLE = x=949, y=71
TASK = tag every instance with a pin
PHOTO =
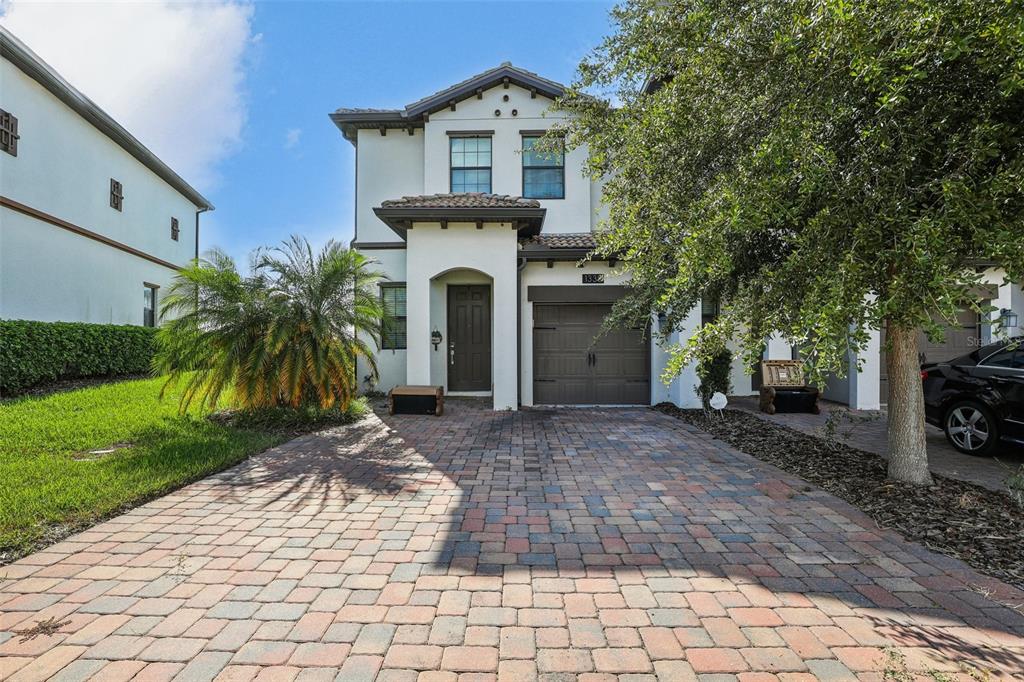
x=461, y=200
x=576, y=240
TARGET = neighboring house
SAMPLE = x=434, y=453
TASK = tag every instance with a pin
x=481, y=239
x=92, y=224
x=866, y=384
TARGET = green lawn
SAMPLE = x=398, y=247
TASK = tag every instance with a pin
x=49, y=482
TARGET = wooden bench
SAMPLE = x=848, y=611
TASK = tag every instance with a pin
x=783, y=388
x=416, y=400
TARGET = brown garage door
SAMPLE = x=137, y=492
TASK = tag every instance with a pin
x=960, y=339
x=569, y=368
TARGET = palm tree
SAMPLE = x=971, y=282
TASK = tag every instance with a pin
x=288, y=334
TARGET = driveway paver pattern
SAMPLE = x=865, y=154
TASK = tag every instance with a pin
x=590, y=545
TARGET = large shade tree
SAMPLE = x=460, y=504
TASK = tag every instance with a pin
x=822, y=167
x=288, y=334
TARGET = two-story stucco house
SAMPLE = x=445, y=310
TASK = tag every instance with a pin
x=92, y=223
x=481, y=236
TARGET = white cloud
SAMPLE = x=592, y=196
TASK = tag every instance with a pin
x=172, y=74
x=291, y=138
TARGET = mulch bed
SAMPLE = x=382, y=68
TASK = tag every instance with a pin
x=980, y=527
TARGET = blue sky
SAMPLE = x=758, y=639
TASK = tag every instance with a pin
x=312, y=58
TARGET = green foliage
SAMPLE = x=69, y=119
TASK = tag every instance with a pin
x=818, y=166
x=53, y=478
x=36, y=352
x=713, y=370
x=287, y=334
x=303, y=418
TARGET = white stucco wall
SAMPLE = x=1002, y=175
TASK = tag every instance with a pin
x=571, y=214
x=1010, y=296
x=52, y=275
x=434, y=252
x=390, y=362
x=387, y=167
x=63, y=168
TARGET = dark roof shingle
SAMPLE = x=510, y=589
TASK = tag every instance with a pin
x=575, y=240
x=461, y=200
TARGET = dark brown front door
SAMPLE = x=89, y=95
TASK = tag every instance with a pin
x=569, y=368
x=469, y=337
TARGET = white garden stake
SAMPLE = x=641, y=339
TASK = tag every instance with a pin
x=718, y=402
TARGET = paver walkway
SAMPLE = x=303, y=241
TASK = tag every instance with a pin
x=866, y=430
x=556, y=545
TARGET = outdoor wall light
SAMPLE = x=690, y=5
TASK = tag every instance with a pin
x=1007, y=318
x=435, y=338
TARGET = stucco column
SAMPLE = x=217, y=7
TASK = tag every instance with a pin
x=1010, y=296
x=683, y=390
x=777, y=348
x=417, y=322
x=865, y=393
x=504, y=340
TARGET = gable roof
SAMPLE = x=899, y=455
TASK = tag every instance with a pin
x=29, y=62
x=415, y=114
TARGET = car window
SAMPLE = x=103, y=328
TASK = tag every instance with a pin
x=1001, y=358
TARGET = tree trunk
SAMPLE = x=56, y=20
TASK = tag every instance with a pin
x=908, y=454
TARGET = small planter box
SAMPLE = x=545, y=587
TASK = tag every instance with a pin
x=416, y=400
x=783, y=388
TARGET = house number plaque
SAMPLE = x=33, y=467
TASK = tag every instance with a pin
x=593, y=279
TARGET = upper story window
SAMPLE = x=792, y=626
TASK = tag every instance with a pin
x=471, y=164
x=149, y=305
x=8, y=133
x=175, y=231
x=543, y=172
x=393, y=334
x=116, y=194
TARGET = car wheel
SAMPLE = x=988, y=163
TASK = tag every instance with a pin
x=971, y=428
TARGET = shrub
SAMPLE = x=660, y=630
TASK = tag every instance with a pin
x=33, y=352
x=713, y=372
x=288, y=334
x=295, y=419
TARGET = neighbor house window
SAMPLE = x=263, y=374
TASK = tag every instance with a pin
x=174, y=229
x=708, y=310
x=543, y=172
x=471, y=164
x=116, y=194
x=8, y=133
x=149, y=305
x=393, y=333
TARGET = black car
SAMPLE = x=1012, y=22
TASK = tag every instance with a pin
x=978, y=398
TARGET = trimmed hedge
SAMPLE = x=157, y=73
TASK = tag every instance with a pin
x=33, y=352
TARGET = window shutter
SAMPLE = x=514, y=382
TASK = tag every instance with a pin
x=8, y=132
x=116, y=195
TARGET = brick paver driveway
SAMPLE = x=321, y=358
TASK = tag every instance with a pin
x=574, y=544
